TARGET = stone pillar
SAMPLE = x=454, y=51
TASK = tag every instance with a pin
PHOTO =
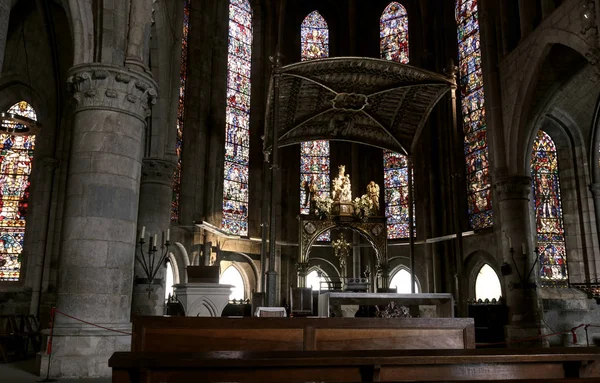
x=513, y=211
x=302, y=270
x=547, y=8
x=155, y=214
x=99, y=232
x=595, y=189
x=526, y=16
x=4, y=18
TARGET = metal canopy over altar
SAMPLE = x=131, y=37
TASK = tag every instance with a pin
x=375, y=102
x=370, y=101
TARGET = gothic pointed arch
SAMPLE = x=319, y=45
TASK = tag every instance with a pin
x=548, y=212
x=479, y=192
x=393, y=33
x=15, y=169
x=237, y=129
x=314, y=155
x=232, y=276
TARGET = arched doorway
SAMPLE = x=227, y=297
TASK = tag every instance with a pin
x=401, y=281
x=232, y=276
x=487, y=284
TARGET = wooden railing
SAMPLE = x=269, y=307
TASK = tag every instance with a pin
x=520, y=365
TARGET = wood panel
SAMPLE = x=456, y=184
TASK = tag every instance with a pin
x=199, y=340
x=388, y=339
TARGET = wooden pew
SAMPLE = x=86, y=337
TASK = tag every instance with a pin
x=193, y=334
x=519, y=365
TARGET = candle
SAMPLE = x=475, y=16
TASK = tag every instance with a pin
x=168, y=234
x=154, y=240
x=509, y=243
x=523, y=249
x=143, y=233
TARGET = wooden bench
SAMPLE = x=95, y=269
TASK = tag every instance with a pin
x=17, y=333
x=519, y=365
x=194, y=334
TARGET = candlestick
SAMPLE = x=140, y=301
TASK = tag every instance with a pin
x=168, y=234
x=523, y=249
x=154, y=240
x=143, y=233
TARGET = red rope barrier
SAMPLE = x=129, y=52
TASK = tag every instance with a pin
x=91, y=324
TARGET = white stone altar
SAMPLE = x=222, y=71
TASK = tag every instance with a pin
x=203, y=299
x=347, y=304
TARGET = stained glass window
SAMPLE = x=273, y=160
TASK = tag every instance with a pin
x=15, y=168
x=237, y=130
x=479, y=193
x=395, y=179
x=314, y=35
x=548, y=211
x=393, y=33
x=314, y=156
x=180, y=111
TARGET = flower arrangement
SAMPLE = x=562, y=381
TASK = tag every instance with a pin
x=363, y=206
x=323, y=205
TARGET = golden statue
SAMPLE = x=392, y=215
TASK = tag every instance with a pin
x=373, y=193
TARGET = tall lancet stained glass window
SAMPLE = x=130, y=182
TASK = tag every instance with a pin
x=548, y=211
x=393, y=35
x=479, y=191
x=15, y=168
x=314, y=155
x=314, y=35
x=181, y=111
x=237, y=130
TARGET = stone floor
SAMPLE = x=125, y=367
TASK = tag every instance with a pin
x=23, y=372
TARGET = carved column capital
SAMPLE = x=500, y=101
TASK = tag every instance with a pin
x=302, y=268
x=110, y=87
x=516, y=187
x=155, y=170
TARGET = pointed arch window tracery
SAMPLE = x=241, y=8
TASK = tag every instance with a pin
x=393, y=35
x=237, y=130
x=479, y=192
x=181, y=111
x=314, y=155
x=548, y=212
x=16, y=159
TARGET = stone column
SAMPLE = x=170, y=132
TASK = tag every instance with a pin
x=302, y=270
x=4, y=18
x=526, y=16
x=595, y=189
x=513, y=211
x=99, y=232
x=155, y=214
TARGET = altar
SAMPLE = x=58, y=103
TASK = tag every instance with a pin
x=419, y=305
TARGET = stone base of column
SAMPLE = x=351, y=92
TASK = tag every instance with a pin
x=83, y=351
x=148, y=305
x=517, y=336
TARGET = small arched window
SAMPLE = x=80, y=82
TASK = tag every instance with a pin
x=401, y=281
x=15, y=169
x=487, y=284
x=548, y=212
x=169, y=280
x=233, y=277
x=393, y=33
